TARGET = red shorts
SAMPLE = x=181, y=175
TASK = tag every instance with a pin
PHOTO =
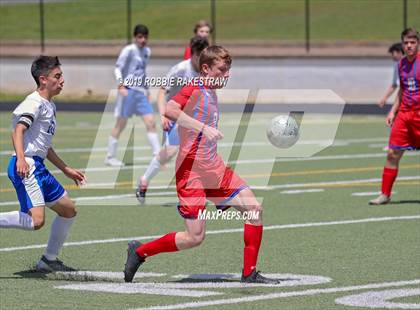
x=197, y=183
x=405, y=132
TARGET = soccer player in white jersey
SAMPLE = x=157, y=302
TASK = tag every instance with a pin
x=184, y=70
x=130, y=72
x=396, y=51
x=34, y=126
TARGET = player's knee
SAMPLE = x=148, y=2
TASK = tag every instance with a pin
x=196, y=240
x=390, y=155
x=172, y=151
x=120, y=125
x=69, y=212
x=256, y=211
x=38, y=222
x=164, y=158
x=257, y=208
x=151, y=126
x=393, y=157
x=120, y=128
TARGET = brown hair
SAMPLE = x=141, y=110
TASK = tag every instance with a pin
x=410, y=33
x=212, y=53
x=202, y=23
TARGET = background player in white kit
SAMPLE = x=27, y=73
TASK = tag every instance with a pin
x=130, y=72
x=396, y=51
x=34, y=125
x=185, y=69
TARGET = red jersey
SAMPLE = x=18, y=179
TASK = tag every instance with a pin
x=187, y=52
x=409, y=73
x=199, y=103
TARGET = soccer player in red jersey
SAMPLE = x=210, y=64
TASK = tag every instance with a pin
x=202, y=29
x=404, y=116
x=201, y=173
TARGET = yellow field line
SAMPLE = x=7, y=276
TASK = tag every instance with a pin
x=128, y=185
x=294, y=173
x=363, y=184
x=342, y=170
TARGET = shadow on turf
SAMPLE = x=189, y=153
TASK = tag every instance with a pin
x=402, y=202
x=31, y=274
x=198, y=278
x=52, y=276
x=217, y=278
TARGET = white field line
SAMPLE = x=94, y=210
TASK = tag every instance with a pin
x=247, y=162
x=266, y=188
x=182, y=288
x=302, y=191
x=381, y=299
x=377, y=145
x=317, y=158
x=363, y=194
x=320, y=184
x=82, y=199
x=338, y=142
x=225, y=231
x=310, y=292
x=136, y=288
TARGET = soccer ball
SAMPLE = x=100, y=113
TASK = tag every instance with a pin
x=283, y=131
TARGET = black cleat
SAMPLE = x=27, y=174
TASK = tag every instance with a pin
x=141, y=196
x=141, y=191
x=256, y=277
x=45, y=265
x=133, y=261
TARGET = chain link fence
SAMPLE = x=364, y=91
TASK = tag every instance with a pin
x=301, y=22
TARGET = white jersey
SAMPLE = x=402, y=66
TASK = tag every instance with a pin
x=396, y=76
x=183, y=69
x=39, y=114
x=131, y=66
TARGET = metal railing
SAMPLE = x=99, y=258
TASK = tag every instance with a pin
x=305, y=26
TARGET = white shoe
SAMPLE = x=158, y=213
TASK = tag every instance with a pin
x=113, y=162
x=382, y=199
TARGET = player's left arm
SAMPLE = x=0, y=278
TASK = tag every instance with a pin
x=77, y=176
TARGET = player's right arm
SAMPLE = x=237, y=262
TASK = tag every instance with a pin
x=394, y=109
x=161, y=104
x=22, y=166
x=388, y=94
x=119, y=66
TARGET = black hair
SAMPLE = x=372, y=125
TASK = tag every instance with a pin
x=141, y=29
x=43, y=65
x=396, y=47
x=198, y=44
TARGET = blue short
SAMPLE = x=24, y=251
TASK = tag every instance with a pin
x=40, y=188
x=171, y=136
x=135, y=103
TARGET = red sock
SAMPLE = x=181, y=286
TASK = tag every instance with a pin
x=252, y=240
x=163, y=244
x=388, y=177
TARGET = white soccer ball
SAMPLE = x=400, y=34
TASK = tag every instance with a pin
x=283, y=131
